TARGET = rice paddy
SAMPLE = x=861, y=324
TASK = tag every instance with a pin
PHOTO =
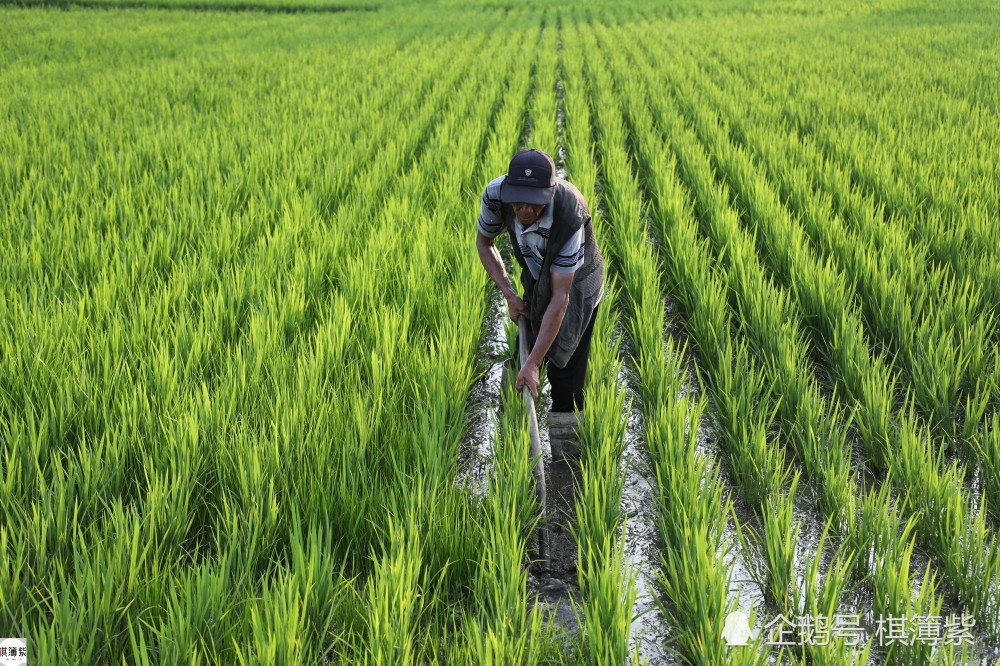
x=250, y=397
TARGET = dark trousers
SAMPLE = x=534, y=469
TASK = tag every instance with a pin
x=567, y=383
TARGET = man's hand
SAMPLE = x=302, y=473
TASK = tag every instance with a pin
x=516, y=307
x=528, y=377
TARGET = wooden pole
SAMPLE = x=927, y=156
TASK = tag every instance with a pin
x=536, y=444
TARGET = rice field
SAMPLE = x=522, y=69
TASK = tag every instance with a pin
x=249, y=399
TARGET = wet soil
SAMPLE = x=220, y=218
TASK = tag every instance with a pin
x=553, y=583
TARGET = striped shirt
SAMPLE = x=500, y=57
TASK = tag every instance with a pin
x=533, y=240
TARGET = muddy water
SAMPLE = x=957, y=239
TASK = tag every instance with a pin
x=556, y=585
x=650, y=629
x=476, y=450
x=553, y=584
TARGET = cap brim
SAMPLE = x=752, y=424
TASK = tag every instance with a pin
x=528, y=195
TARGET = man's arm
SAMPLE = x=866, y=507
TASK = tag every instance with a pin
x=549, y=329
x=490, y=258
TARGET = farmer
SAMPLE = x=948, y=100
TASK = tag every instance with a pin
x=562, y=273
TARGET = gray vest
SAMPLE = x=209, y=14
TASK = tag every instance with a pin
x=569, y=213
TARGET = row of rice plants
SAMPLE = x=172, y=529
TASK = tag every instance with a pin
x=607, y=584
x=692, y=512
x=793, y=181
x=748, y=193
x=937, y=326
x=506, y=628
x=542, y=122
x=837, y=498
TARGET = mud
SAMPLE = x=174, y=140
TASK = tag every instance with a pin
x=476, y=449
x=553, y=584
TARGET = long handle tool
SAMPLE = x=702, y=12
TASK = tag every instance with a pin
x=536, y=444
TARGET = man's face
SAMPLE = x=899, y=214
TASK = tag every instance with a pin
x=527, y=213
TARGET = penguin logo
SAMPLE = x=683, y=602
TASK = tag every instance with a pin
x=737, y=629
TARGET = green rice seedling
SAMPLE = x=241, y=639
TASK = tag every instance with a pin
x=578, y=130
x=974, y=421
x=608, y=604
x=699, y=638
x=823, y=598
x=394, y=599
x=695, y=587
x=277, y=629
x=965, y=546
x=757, y=466
x=607, y=585
x=835, y=654
x=777, y=544
x=820, y=602
x=837, y=499
x=989, y=445
x=893, y=588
